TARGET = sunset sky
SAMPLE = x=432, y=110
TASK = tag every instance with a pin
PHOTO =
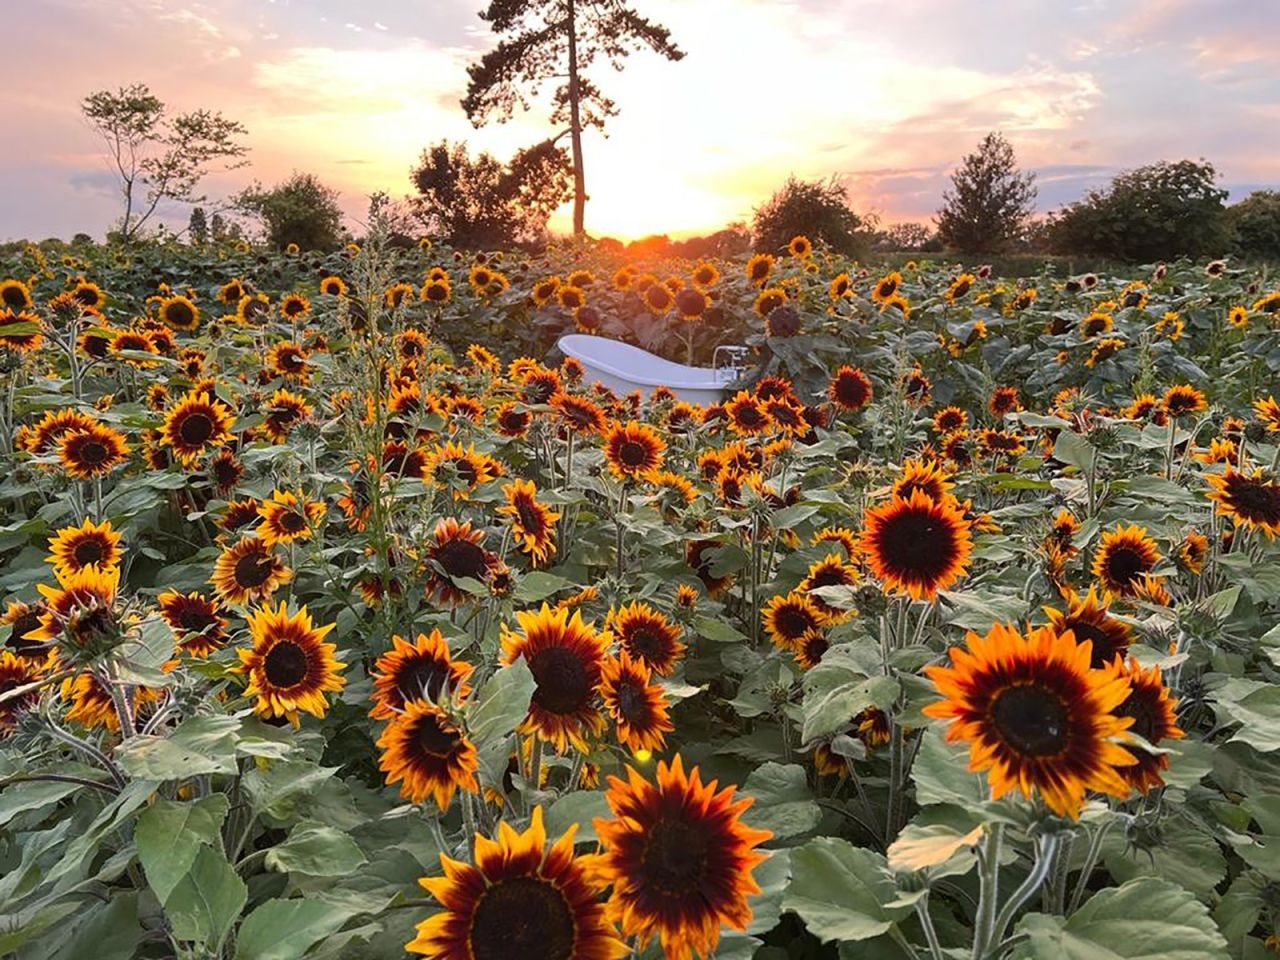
x=886, y=94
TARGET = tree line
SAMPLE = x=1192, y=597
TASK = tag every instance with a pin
x=1159, y=211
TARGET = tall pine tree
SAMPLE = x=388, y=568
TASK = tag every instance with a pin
x=552, y=39
x=990, y=202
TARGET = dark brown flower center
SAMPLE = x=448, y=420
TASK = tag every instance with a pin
x=285, y=664
x=1106, y=644
x=1125, y=566
x=88, y=552
x=792, y=621
x=1031, y=719
x=291, y=522
x=632, y=703
x=915, y=543
x=180, y=315
x=94, y=453
x=461, y=558
x=632, y=453
x=674, y=862
x=253, y=570
x=563, y=685
x=196, y=429
x=530, y=516
x=422, y=680
x=522, y=917
x=1255, y=500
x=646, y=642
x=432, y=739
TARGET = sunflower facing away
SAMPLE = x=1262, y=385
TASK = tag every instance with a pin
x=80, y=609
x=455, y=551
x=195, y=425
x=16, y=672
x=1251, y=500
x=638, y=707
x=426, y=753
x=422, y=670
x=289, y=668
x=647, y=636
x=248, y=572
x=1123, y=556
x=917, y=546
x=518, y=900
x=1035, y=715
x=565, y=655
x=533, y=525
x=90, y=544
x=678, y=858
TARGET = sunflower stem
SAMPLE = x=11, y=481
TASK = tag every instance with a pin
x=89, y=750
x=1090, y=859
x=989, y=889
x=1045, y=854
x=926, y=924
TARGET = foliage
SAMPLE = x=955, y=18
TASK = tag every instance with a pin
x=815, y=209
x=990, y=202
x=545, y=40
x=907, y=236
x=155, y=803
x=1158, y=212
x=1254, y=223
x=300, y=211
x=480, y=203
x=198, y=226
x=159, y=156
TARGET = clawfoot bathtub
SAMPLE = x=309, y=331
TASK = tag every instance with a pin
x=623, y=367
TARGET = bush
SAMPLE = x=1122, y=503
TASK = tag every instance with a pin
x=1255, y=224
x=990, y=203
x=1157, y=212
x=816, y=209
x=301, y=210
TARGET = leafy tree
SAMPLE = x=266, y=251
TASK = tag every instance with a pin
x=300, y=210
x=990, y=202
x=817, y=209
x=558, y=40
x=481, y=203
x=198, y=226
x=903, y=236
x=1157, y=212
x=1255, y=224
x=159, y=156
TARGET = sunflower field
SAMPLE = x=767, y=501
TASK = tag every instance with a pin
x=342, y=617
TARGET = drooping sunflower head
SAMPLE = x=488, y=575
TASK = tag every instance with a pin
x=533, y=525
x=75, y=548
x=1036, y=716
x=422, y=670
x=519, y=900
x=565, y=655
x=647, y=636
x=678, y=858
x=633, y=449
x=704, y=558
x=289, y=667
x=1251, y=499
x=249, y=572
x=917, y=546
x=425, y=751
x=79, y=613
x=1123, y=556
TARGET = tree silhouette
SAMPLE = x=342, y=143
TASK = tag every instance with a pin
x=558, y=39
x=990, y=202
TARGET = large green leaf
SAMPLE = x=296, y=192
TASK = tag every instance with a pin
x=170, y=836
x=835, y=692
x=784, y=803
x=503, y=702
x=111, y=932
x=941, y=772
x=1147, y=919
x=159, y=758
x=287, y=929
x=581, y=808
x=316, y=849
x=206, y=901
x=841, y=892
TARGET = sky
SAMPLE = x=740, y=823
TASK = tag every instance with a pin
x=886, y=95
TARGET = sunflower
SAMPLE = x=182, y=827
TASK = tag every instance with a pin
x=705, y=275
x=80, y=610
x=293, y=306
x=16, y=672
x=248, y=572
x=581, y=415
x=809, y=651
x=1183, y=399
x=454, y=552
x=289, y=667
x=1192, y=552
x=90, y=544
x=92, y=705
x=238, y=514
x=226, y=471
x=533, y=525
x=646, y=636
x=658, y=299
x=179, y=313
x=697, y=556
x=426, y=753
x=436, y=291
x=397, y=295
x=960, y=286
x=830, y=571
x=512, y=420
x=135, y=342
x=462, y=469
x=1096, y=324
x=886, y=287
x=422, y=670
x=93, y=451
x=916, y=387
x=949, y=419
x=285, y=410
x=636, y=706
x=747, y=415
x=917, y=546
x=196, y=424
x=289, y=360
x=1124, y=554
x=544, y=291
x=678, y=858
x=1036, y=716
x=925, y=476
x=768, y=300
x=1086, y=617
x=633, y=450
x=519, y=900
x=565, y=656
x=1154, y=719
x=287, y=518
x=89, y=295
x=759, y=267
x=15, y=295
x=332, y=286
x=47, y=434
x=800, y=246
x=197, y=621
x=1238, y=317
x=21, y=619
x=1103, y=349
x=1004, y=400
x=1250, y=499
x=850, y=389
x=16, y=342
x=538, y=385
x=788, y=617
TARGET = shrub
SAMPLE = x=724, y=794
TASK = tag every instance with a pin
x=1255, y=225
x=301, y=210
x=816, y=209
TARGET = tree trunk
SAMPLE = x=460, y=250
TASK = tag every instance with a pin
x=575, y=128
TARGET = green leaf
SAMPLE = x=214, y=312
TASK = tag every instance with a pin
x=159, y=758
x=941, y=773
x=580, y=807
x=503, y=702
x=836, y=691
x=206, y=902
x=717, y=630
x=1074, y=449
x=287, y=929
x=840, y=891
x=170, y=836
x=24, y=797
x=1256, y=707
x=784, y=802
x=1182, y=854
x=316, y=849
x=1146, y=919
x=112, y=932
x=538, y=585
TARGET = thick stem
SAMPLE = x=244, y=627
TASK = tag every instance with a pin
x=989, y=890
x=1044, y=863
x=575, y=125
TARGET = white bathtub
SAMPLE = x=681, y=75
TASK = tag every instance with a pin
x=623, y=367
